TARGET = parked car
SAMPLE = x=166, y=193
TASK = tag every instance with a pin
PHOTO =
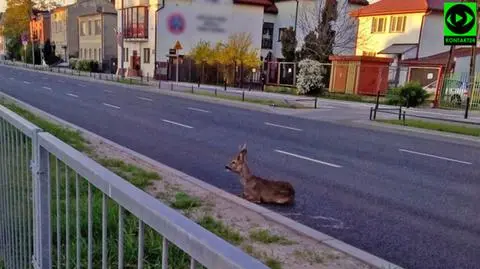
x=456, y=91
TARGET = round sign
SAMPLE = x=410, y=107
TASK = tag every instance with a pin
x=176, y=23
x=460, y=19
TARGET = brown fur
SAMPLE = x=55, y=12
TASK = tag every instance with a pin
x=257, y=189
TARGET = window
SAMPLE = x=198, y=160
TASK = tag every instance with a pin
x=267, y=35
x=397, y=24
x=135, y=22
x=100, y=56
x=81, y=53
x=369, y=53
x=280, y=33
x=89, y=53
x=379, y=25
x=146, y=56
x=126, y=55
x=94, y=54
x=89, y=27
x=83, y=28
x=84, y=53
x=98, y=27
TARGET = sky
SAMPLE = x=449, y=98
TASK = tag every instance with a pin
x=3, y=5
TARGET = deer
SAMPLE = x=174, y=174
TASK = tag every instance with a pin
x=256, y=189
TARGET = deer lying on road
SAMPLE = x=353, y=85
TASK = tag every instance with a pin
x=256, y=189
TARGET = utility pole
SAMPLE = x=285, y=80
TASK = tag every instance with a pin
x=472, y=76
x=32, y=20
x=122, y=54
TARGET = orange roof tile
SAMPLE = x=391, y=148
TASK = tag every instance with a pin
x=388, y=7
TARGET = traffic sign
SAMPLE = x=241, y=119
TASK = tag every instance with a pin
x=178, y=46
x=24, y=39
x=460, y=23
x=176, y=23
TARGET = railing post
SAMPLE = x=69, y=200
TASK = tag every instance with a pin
x=42, y=222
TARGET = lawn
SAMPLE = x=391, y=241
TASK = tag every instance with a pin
x=437, y=126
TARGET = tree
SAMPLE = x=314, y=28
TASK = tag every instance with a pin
x=240, y=52
x=289, y=44
x=201, y=54
x=47, y=4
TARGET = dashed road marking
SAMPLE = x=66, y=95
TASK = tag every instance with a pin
x=145, y=99
x=26, y=82
x=198, y=110
x=72, y=95
x=308, y=159
x=112, y=106
x=47, y=88
x=283, y=126
x=178, y=124
x=434, y=156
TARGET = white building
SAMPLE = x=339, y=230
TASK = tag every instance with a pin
x=137, y=23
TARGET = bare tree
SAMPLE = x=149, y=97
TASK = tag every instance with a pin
x=328, y=28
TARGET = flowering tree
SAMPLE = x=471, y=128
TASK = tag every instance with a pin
x=310, y=77
x=201, y=54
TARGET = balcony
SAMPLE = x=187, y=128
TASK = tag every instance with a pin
x=135, y=24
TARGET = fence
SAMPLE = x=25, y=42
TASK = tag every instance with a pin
x=60, y=209
x=455, y=91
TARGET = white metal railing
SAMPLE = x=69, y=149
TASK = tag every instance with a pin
x=60, y=209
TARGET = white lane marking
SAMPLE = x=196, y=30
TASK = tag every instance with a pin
x=198, y=109
x=109, y=91
x=12, y=79
x=82, y=85
x=179, y=124
x=61, y=81
x=434, y=156
x=26, y=82
x=47, y=88
x=308, y=159
x=112, y=106
x=145, y=99
x=283, y=126
x=72, y=95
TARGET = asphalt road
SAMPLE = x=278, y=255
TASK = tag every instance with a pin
x=412, y=201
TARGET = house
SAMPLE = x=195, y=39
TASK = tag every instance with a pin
x=97, y=38
x=136, y=22
x=64, y=25
x=40, y=27
x=209, y=20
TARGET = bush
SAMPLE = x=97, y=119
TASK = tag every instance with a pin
x=73, y=63
x=87, y=65
x=410, y=95
x=310, y=77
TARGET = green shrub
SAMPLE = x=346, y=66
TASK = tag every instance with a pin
x=73, y=63
x=282, y=89
x=87, y=65
x=410, y=95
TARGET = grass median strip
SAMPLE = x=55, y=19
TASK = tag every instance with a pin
x=249, y=100
x=436, y=126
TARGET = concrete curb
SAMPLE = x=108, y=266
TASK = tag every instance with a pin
x=289, y=223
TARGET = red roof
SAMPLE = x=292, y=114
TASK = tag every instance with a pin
x=264, y=3
x=388, y=7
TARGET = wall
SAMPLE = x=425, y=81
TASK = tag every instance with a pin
x=462, y=65
x=58, y=27
x=228, y=18
x=432, y=36
x=90, y=43
x=375, y=42
x=109, y=40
